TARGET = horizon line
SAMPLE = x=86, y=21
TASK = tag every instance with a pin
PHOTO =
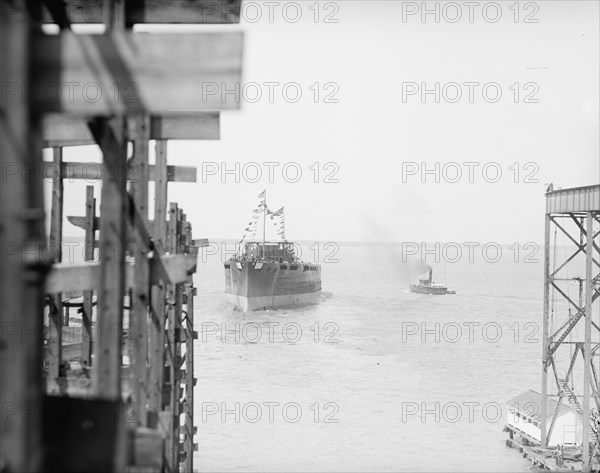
x=360, y=242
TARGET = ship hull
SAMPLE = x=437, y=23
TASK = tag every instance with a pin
x=433, y=290
x=256, y=286
x=288, y=301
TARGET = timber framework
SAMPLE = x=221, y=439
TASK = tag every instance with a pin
x=96, y=356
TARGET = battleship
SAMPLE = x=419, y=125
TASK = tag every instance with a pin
x=268, y=275
x=427, y=286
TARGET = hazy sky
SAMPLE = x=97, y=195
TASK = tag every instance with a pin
x=371, y=134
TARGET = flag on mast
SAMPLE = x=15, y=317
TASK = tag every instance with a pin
x=278, y=217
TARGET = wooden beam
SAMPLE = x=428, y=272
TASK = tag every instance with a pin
x=93, y=172
x=176, y=173
x=80, y=277
x=174, y=269
x=61, y=130
x=189, y=381
x=174, y=292
x=186, y=126
x=160, y=198
x=155, y=11
x=69, y=277
x=82, y=222
x=158, y=307
x=23, y=267
x=82, y=387
x=113, y=239
x=55, y=316
x=71, y=130
x=140, y=292
x=124, y=71
x=90, y=226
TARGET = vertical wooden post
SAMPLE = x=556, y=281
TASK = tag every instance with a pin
x=588, y=342
x=56, y=317
x=140, y=292
x=545, y=335
x=112, y=253
x=86, y=317
x=160, y=198
x=22, y=239
x=177, y=339
x=189, y=372
x=173, y=293
x=108, y=355
x=157, y=341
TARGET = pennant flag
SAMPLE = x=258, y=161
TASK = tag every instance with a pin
x=278, y=213
x=276, y=217
x=278, y=220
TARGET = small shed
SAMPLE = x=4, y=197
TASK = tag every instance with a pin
x=524, y=418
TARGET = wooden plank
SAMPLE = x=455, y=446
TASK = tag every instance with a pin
x=188, y=329
x=81, y=386
x=21, y=274
x=90, y=226
x=55, y=318
x=176, y=173
x=158, y=307
x=178, y=268
x=61, y=129
x=124, y=71
x=155, y=11
x=160, y=198
x=189, y=381
x=93, y=172
x=170, y=387
x=155, y=371
x=173, y=314
x=69, y=277
x=83, y=222
x=140, y=296
x=56, y=212
x=177, y=374
x=80, y=277
x=186, y=126
x=113, y=240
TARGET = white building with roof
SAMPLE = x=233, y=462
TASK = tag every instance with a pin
x=524, y=418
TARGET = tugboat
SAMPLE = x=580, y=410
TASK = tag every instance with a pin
x=269, y=275
x=427, y=286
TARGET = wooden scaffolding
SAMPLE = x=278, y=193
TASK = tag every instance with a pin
x=118, y=395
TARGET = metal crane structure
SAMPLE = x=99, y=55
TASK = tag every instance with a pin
x=571, y=336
